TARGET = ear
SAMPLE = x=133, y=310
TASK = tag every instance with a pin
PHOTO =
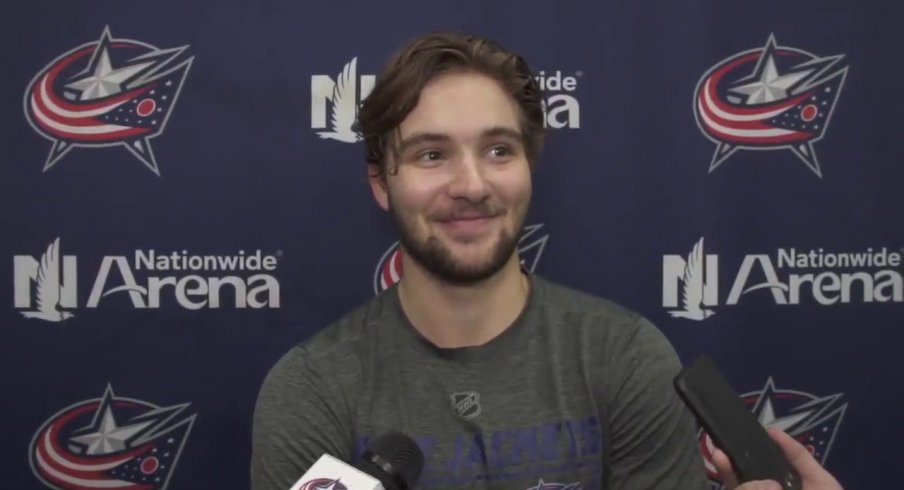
x=377, y=182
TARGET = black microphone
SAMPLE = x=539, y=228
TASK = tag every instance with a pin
x=395, y=459
x=391, y=462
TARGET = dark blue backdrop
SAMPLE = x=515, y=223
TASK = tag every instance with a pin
x=623, y=192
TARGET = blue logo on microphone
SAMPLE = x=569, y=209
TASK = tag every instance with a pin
x=323, y=484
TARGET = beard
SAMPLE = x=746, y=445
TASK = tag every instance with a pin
x=437, y=258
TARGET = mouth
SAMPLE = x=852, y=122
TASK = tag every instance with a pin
x=467, y=224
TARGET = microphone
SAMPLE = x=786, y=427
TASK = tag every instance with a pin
x=390, y=462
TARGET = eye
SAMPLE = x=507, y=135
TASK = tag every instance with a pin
x=430, y=156
x=500, y=151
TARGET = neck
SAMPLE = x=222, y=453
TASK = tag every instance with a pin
x=459, y=316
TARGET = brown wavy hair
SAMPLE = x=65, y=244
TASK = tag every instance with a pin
x=398, y=88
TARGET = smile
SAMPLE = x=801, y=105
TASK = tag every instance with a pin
x=467, y=225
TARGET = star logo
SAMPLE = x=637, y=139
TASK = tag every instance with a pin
x=769, y=86
x=105, y=436
x=110, y=92
x=103, y=81
x=769, y=98
x=110, y=442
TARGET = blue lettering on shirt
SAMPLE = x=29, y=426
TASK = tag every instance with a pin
x=557, y=447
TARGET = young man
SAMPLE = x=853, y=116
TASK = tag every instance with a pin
x=505, y=379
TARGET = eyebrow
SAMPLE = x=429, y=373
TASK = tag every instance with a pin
x=424, y=137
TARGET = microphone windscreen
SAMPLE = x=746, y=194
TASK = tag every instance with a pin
x=398, y=456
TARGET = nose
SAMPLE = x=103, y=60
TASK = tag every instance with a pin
x=469, y=180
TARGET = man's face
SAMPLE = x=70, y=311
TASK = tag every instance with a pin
x=463, y=184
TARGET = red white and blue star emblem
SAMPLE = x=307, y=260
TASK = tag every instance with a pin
x=769, y=98
x=106, y=93
x=110, y=442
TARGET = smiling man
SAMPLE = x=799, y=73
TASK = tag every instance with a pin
x=505, y=379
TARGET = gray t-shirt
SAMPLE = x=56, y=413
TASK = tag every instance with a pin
x=576, y=394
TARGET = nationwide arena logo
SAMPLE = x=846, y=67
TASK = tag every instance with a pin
x=530, y=249
x=811, y=420
x=335, y=102
x=109, y=92
x=790, y=276
x=110, y=442
x=46, y=286
x=769, y=98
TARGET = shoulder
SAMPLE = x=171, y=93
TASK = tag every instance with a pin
x=587, y=309
x=618, y=334
x=331, y=359
x=338, y=347
x=306, y=405
x=346, y=335
x=570, y=298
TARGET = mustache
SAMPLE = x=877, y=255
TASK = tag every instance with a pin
x=469, y=210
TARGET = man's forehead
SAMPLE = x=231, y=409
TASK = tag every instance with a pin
x=457, y=121
x=479, y=132
x=463, y=103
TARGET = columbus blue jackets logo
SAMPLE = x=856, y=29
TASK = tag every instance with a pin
x=323, y=484
x=769, y=98
x=530, y=249
x=110, y=442
x=108, y=92
x=811, y=419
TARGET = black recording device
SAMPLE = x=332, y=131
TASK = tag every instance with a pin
x=731, y=425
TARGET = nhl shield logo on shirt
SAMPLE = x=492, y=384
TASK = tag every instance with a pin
x=466, y=404
x=770, y=98
x=108, y=92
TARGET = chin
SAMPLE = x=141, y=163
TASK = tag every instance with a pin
x=480, y=259
x=465, y=274
x=472, y=255
x=471, y=267
x=461, y=262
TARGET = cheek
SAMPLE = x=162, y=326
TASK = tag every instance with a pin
x=514, y=187
x=414, y=199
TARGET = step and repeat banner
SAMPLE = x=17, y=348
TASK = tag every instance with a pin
x=185, y=198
